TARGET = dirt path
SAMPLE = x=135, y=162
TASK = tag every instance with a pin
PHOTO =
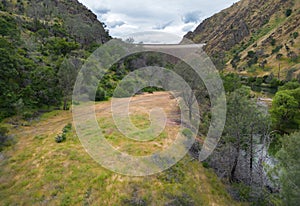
x=138, y=104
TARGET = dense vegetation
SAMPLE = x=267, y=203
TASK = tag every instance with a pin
x=43, y=44
x=41, y=52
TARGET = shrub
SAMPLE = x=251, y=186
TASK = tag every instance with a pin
x=62, y=137
x=67, y=128
x=251, y=54
x=205, y=164
x=252, y=61
x=5, y=139
x=273, y=41
x=290, y=86
x=100, y=94
x=277, y=49
x=151, y=89
x=288, y=12
x=275, y=83
x=258, y=81
x=295, y=35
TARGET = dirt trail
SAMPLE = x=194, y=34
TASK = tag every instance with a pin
x=138, y=104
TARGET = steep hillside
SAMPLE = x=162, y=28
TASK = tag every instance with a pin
x=254, y=37
x=35, y=39
x=71, y=18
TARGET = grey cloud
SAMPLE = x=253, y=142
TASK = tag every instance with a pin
x=192, y=17
x=162, y=26
x=101, y=11
x=115, y=24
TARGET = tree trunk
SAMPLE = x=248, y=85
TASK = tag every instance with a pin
x=190, y=112
x=251, y=152
x=65, y=104
x=233, y=169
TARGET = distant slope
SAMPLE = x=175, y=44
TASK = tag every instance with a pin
x=254, y=37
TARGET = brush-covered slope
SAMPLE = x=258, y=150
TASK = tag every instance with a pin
x=35, y=38
x=70, y=18
x=254, y=37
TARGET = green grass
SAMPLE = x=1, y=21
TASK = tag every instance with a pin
x=39, y=171
x=131, y=146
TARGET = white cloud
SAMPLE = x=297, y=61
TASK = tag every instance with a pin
x=177, y=17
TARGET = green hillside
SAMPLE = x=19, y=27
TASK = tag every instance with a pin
x=35, y=39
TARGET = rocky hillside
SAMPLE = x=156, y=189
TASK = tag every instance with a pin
x=36, y=37
x=70, y=17
x=254, y=37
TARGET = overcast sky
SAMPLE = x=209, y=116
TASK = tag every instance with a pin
x=124, y=17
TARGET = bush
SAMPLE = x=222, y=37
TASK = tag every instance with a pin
x=251, y=54
x=60, y=46
x=67, y=128
x=62, y=137
x=100, y=94
x=258, y=81
x=277, y=49
x=290, y=86
x=151, y=89
x=205, y=164
x=295, y=35
x=252, y=61
x=275, y=83
x=288, y=12
x=5, y=139
x=273, y=41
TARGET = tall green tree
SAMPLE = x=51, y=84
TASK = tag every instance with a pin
x=285, y=108
x=289, y=162
x=245, y=120
x=44, y=85
x=67, y=75
x=8, y=84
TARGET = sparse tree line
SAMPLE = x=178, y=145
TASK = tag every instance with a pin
x=258, y=154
